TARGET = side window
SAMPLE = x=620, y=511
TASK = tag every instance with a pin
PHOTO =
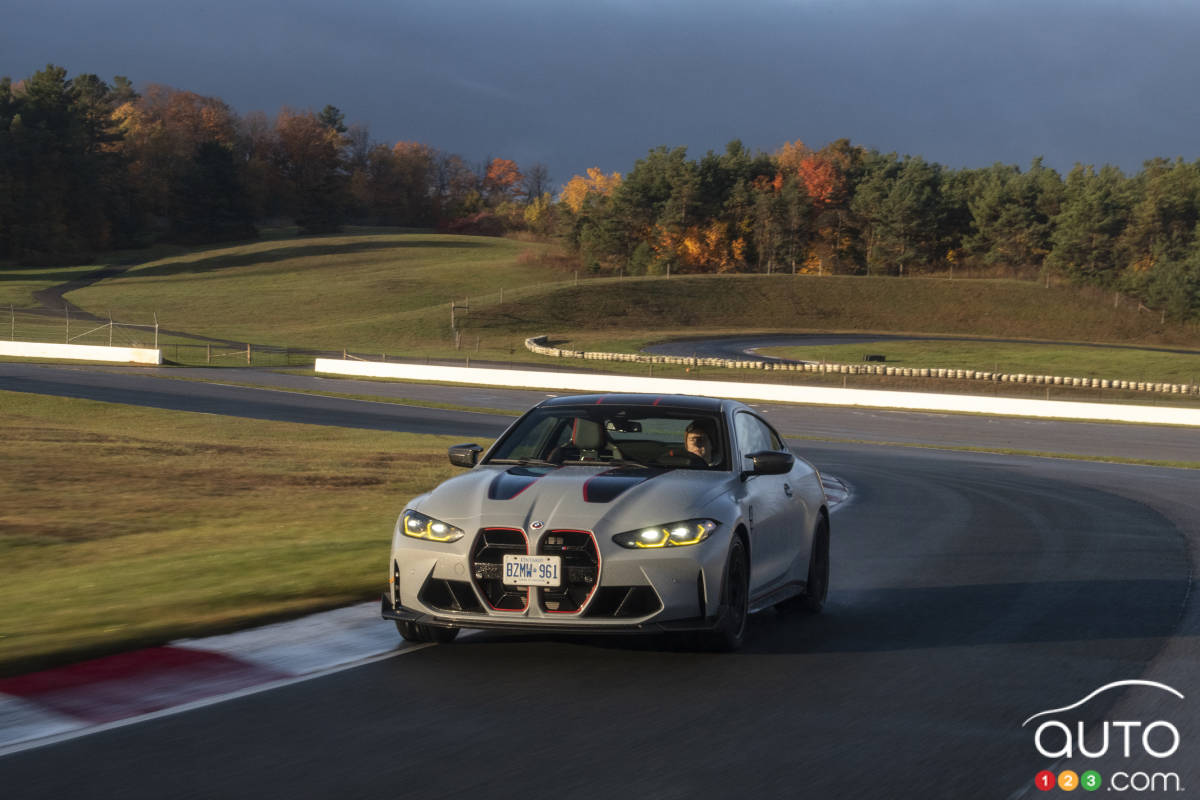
x=776, y=442
x=533, y=443
x=756, y=435
x=753, y=435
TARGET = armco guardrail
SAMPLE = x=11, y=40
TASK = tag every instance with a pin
x=81, y=352
x=813, y=395
x=537, y=344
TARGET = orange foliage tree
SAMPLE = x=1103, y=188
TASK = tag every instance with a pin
x=162, y=132
x=577, y=190
x=309, y=158
x=502, y=181
x=700, y=248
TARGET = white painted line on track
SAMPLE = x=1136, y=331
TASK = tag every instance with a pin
x=87, y=730
x=309, y=644
x=24, y=720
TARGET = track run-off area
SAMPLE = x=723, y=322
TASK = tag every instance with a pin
x=970, y=590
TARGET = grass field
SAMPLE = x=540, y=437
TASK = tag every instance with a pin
x=124, y=527
x=389, y=292
x=363, y=290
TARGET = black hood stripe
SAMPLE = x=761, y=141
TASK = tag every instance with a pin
x=512, y=482
x=607, y=486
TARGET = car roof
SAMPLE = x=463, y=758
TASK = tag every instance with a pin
x=684, y=401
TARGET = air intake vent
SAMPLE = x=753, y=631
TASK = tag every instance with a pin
x=449, y=595
x=581, y=570
x=487, y=557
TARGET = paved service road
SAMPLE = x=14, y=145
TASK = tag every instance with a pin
x=969, y=592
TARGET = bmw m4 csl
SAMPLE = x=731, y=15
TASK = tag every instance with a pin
x=614, y=513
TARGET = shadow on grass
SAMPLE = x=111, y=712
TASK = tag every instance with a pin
x=59, y=274
x=314, y=250
x=82, y=275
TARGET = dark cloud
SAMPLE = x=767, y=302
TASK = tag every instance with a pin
x=575, y=85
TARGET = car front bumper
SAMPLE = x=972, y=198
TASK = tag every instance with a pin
x=612, y=590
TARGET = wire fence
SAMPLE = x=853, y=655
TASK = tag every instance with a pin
x=45, y=326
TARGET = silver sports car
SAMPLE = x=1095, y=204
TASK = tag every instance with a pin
x=616, y=513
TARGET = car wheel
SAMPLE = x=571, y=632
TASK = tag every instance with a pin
x=416, y=632
x=817, y=585
x=735, y=601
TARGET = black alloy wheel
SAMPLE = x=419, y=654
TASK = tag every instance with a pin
x=818, y=570
x=735, y=601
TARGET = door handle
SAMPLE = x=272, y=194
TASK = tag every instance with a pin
x=787, y=490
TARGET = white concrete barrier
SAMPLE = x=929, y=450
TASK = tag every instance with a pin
x=812, y=395
x=81, y=352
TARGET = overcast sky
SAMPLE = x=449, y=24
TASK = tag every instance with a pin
x=598, y=83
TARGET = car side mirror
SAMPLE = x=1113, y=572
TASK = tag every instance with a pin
x=769, y=462
x=465, y=455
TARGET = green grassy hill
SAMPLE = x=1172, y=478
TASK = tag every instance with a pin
x=330, y=291
x=390, y=292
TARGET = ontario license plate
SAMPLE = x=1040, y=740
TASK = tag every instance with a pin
x=533, y=570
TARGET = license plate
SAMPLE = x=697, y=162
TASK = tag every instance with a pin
x=532, y=570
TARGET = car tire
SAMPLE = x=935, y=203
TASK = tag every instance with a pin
x=419, y=633
x=735, y=601
x=812, y=600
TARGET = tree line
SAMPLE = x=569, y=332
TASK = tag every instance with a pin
x=87, y=166
x=846, y=210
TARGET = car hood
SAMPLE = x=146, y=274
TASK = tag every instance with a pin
x=577, y=497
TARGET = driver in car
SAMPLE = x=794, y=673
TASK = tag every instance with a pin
x=699, y=442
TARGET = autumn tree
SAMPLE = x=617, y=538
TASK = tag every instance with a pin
x=162, y=131
x=399, y=188
x=596, y=184
x=502, y=181
x=309, y=158
x=255, y=148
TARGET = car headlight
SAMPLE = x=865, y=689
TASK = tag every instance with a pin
x=419, y=526
x=673, y=534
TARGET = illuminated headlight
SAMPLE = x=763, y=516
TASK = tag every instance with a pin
x=419, y=526
x=673, y=534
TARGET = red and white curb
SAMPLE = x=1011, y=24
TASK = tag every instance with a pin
x=60, y=703
x=66, y=702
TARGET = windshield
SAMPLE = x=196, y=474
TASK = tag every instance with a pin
x=620, y=435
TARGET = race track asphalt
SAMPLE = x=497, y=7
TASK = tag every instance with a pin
x=970, y=591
